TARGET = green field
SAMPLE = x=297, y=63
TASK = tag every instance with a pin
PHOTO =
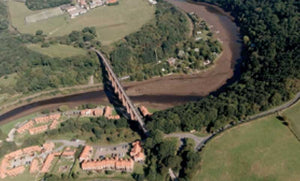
x=293, y=115
x=263, y=150
x=112, y=22
x=57, y=50
x=8, y=126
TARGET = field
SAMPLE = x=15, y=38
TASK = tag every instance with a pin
x=293, y=115
x=112, y=22
x=261, y=150
x=8, y=126
x=57, y=50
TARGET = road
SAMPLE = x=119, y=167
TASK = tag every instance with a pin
x=198, y=140
x=69, y=143
x=251, y=118
x=132, y=107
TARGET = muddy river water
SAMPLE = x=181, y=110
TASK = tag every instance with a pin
x=165, y=92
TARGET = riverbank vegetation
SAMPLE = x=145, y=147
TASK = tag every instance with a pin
x=164, y=46
x=264, y=149
x=270, y=70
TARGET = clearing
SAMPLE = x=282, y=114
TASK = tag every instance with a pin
x=57, y=50
x=264, y=149
x=293, y=116
x=112, y=22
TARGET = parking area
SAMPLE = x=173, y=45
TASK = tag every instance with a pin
x=119, y=150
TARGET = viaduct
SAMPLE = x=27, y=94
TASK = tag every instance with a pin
x=123, y=97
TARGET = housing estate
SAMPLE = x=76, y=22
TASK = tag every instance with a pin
x=109, y=164
x=137, y=152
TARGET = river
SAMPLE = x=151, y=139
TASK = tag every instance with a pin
x=168, y=91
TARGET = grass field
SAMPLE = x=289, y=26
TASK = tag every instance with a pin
x=263, y=150
x=8, y=126
x=293, y=115
x=112, y=22
x=57, y=50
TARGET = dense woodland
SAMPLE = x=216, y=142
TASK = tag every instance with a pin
x=143, y=54
x=270, y=69
x=36, y=72
x=43, y=4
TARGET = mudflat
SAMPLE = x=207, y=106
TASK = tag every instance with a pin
x=185, y=88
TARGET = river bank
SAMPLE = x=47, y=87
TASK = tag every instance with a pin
x=163, y=92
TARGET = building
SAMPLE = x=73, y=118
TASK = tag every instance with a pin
x=34, y=166
x=15, y=171
x=31, y=149
x=108, y=164
x=114, y=117
x=70, y=8
x=77, y=12
x=47, y=164
x=86, y=153
x=25, y=127
x=38, y=130
x=153, y=2
x=48, y=146
x=54, y=124
x=69, y=153
x=96, y=3
x=14, y=154
x=107, y=111
x=98, y=112
x=144, y=111
x=46, y=119
x=111, y=2
x=137, y=152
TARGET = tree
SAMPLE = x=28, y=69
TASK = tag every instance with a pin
x=39, y=32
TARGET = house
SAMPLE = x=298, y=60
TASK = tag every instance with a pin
x=86, y=153
x=46, y=119
x=144, y=111
x=68, y=152
x=14, y=154
x=38, y=130
x=53, y=125
x=47, y=164
x=124, y=164
x=98, y=112
x=108, y=164
x=137, y=152
x=25, y=127
x=86, y=112
x=34, y=166
x=31, y=149
x=48, y=146
x=111, y=2
x=15, y=171
x=96, y=3
x=77, y=12
x=114, y=117
x=107, y=111
x=153, y=2
x=171, y=61
x=70, y=8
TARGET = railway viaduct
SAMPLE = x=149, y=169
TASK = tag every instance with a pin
x=123, y=97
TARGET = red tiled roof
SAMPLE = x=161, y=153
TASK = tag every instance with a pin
x=25, y=127
x=34, y=167
x=86, y=153
x=47, y=163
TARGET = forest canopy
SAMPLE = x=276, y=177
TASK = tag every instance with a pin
x=43, y=4
x=270, y=69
